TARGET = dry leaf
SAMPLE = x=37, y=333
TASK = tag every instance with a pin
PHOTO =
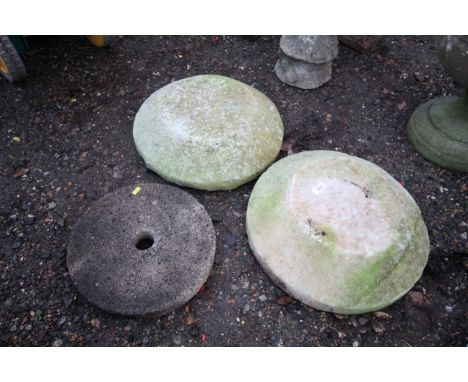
x=283, y=300
x=190, y=320
x=237, y=214
x=288, y=146
x=383, y=315
x=418, y=298
x=20, y=172
x=402, y=106
x=341, y=316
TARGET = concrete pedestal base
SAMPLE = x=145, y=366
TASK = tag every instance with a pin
x=438, y=130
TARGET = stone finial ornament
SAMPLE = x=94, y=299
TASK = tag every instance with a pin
x=313, y=49
x=305, y=61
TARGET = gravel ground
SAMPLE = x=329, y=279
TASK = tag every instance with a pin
x=74, y=116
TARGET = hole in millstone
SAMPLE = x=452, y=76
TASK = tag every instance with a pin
x=145, y=241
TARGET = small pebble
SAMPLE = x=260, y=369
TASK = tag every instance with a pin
x=5, y=210
x=378, y=327
x=177, y=339
x=61, y=321
x=52, y=205
x=57, y=342
x=363, y=320
x=58, y=254
x=262, y=298
x=67, y=301
x=229, y=239
x=419, y=76
x=216, y=217
x=29, y=219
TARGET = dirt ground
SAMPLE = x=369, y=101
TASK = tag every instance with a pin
x=74, y=116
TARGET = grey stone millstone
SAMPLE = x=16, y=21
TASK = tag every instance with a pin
x=208, y=132
x=112, y=273
x=314, y=49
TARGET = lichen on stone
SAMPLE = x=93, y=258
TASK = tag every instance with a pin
x=341, y=235
x=208, y=132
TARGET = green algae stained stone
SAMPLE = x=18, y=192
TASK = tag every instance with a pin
x=336, y=232
x=438, y=129
x=208, y=132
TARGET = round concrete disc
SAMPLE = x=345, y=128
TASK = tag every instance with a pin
x=139, y=253
x=336, y=232
x=208, y=132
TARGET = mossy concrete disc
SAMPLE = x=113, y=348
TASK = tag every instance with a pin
x=142, y=253
x=336, y=232
x=208, y=132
